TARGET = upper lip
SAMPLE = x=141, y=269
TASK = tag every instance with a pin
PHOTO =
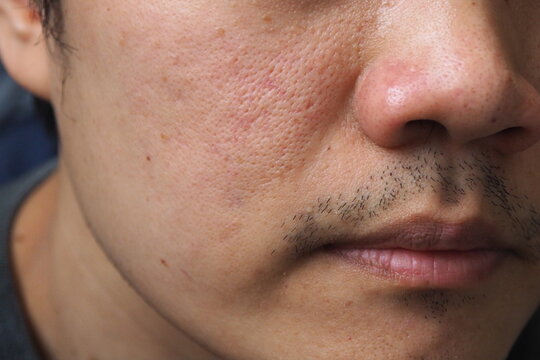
x=429, y=235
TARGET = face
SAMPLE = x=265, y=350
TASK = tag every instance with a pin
x=233, y=158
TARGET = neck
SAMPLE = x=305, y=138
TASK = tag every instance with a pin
x=79, y=304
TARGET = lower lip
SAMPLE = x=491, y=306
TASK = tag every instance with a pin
x=448, y=269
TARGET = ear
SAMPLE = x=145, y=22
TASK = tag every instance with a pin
x=23, y=49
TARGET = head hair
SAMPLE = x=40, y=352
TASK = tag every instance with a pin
x=50, y=13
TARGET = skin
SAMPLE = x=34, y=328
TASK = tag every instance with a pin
x=202, y=140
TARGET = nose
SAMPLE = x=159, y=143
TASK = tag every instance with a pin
x=466, y=96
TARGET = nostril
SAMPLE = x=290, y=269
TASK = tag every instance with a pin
x=421, y=124
x=512, y=131
x=423, y=129
x=514, y=139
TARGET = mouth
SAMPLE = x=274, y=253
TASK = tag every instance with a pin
x=425, y=253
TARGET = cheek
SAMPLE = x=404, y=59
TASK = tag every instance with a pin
x=241, y=112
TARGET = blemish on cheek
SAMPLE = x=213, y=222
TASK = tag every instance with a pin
x=243, y=124
x=267, y=19
x=229, y=231
x=148, y=158
x=164, y=263
x=122, y=42
x=164, y=137
x=220, y=33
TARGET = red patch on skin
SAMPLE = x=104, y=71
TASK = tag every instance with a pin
x=348, y=303
x=244, y=123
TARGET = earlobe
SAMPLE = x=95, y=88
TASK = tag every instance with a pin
x=22, y=47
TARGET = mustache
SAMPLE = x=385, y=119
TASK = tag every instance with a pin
x=343, y=215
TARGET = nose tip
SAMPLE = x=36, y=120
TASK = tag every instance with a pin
x=400, y=103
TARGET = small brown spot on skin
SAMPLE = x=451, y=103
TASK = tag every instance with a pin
x=348, y=303
x=148, y=158
x=165, y=137
x=164, y=263
x=221, y=32
x=329, y=148
x=267, y=19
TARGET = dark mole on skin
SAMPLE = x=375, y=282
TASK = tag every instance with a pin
x=164, y=263
x=148, y=158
